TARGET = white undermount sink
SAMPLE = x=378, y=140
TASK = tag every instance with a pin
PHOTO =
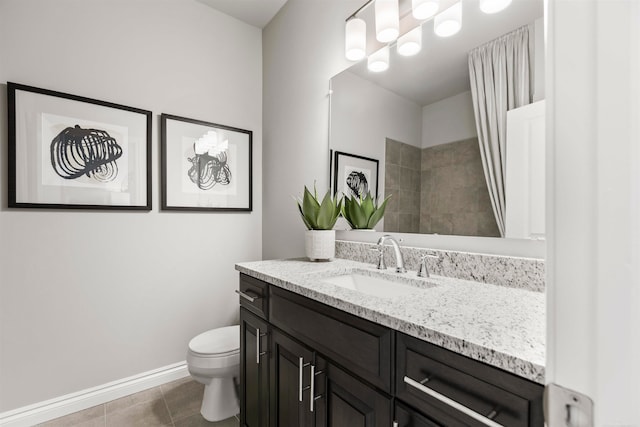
x=372, y=285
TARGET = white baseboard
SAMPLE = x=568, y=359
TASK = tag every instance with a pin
x=44, y=411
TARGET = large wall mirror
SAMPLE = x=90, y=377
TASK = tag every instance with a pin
x=417, y=120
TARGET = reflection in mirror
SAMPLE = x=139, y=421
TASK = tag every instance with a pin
x=418, y=120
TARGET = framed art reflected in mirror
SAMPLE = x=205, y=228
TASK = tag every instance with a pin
x=354, y=175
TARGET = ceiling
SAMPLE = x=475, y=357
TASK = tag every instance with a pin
x=254, y=12
x=440, y=70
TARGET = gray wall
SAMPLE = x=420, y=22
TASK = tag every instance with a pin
x=303, y=48
x=450, y=119
x=67, y=323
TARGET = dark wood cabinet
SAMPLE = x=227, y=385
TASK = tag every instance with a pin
x=305, y=364
x=349, y=402
x=455, y=390
x=360, y=346
x=254, y=370
x=408, y=417
x=290, y=371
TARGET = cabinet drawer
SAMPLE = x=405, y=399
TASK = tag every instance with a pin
x=407, y=417
x=254, y=295
x=358, y=345
x=430, y=378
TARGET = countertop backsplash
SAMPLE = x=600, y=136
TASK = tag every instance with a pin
x=514, y=272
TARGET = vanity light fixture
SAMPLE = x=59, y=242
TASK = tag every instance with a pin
x=448, y=22
x=493, y=6
x=410, y=43
x=424, y=9
x=356, y=39
x=387, y=20
x=378, y=61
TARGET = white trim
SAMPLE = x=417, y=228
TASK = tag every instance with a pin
x=74, y=402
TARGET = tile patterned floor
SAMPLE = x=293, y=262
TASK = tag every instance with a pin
x=175, y=404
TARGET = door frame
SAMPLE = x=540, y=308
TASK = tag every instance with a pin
x=593, y=214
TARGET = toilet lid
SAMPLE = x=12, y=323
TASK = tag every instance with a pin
x=217, y=341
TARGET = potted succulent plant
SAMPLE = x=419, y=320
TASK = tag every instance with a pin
x=320, y=218
x=363, y=213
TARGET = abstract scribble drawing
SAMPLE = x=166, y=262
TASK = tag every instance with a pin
x=206, y=171
x=91, y=152
x=357, y=184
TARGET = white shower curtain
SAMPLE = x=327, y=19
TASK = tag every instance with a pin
x=500, y=81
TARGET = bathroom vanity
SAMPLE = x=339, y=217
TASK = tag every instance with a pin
x=444, y=353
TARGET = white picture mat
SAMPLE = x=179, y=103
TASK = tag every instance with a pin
x=234, y=195
x=30, y=108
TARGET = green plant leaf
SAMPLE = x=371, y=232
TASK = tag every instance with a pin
x=367, y=206
x=304, y=219
x=336, y=213
x=345, y=213
x=326, y=212
x=356, y=215
x=378, y=214
x=310, y=209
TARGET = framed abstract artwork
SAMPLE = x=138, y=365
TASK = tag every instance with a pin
x=354, y=175
x=205, y=166
x=68, y=151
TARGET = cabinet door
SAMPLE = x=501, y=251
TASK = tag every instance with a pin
x=254, y=371
x=290, y=367
x=346, y=401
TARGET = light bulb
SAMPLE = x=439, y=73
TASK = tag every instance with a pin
x=379, y=60
x=424, y=9
x=493, y=6
x=410, y=43
x=387, y=20
x=449, y=22
x=355, y=39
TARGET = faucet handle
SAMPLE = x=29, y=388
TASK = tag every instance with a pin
x=423, y=271
x=381, y=265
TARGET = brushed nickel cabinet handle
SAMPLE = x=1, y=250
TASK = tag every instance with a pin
x=301, y=366
x=258, y=352
x=447, y=401
x=312, y=387
x=245, y=296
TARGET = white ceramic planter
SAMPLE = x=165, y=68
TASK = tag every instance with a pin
x=320, y=245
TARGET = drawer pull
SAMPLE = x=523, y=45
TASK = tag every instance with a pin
x=444, y=399
x=246, y=296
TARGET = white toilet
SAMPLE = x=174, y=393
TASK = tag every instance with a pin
x=213, y=359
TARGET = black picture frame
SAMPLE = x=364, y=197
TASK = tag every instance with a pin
x=99, y=156
x=346, y=164
x=219, y=179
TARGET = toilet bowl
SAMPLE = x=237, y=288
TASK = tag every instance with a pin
x=213, y=359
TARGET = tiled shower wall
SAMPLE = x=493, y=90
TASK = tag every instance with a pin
x=441, y=190
x=402, y=181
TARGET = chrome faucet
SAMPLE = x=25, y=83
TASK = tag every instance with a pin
x=399, y=260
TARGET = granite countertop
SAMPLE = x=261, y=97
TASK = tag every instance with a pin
x=501, y=326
